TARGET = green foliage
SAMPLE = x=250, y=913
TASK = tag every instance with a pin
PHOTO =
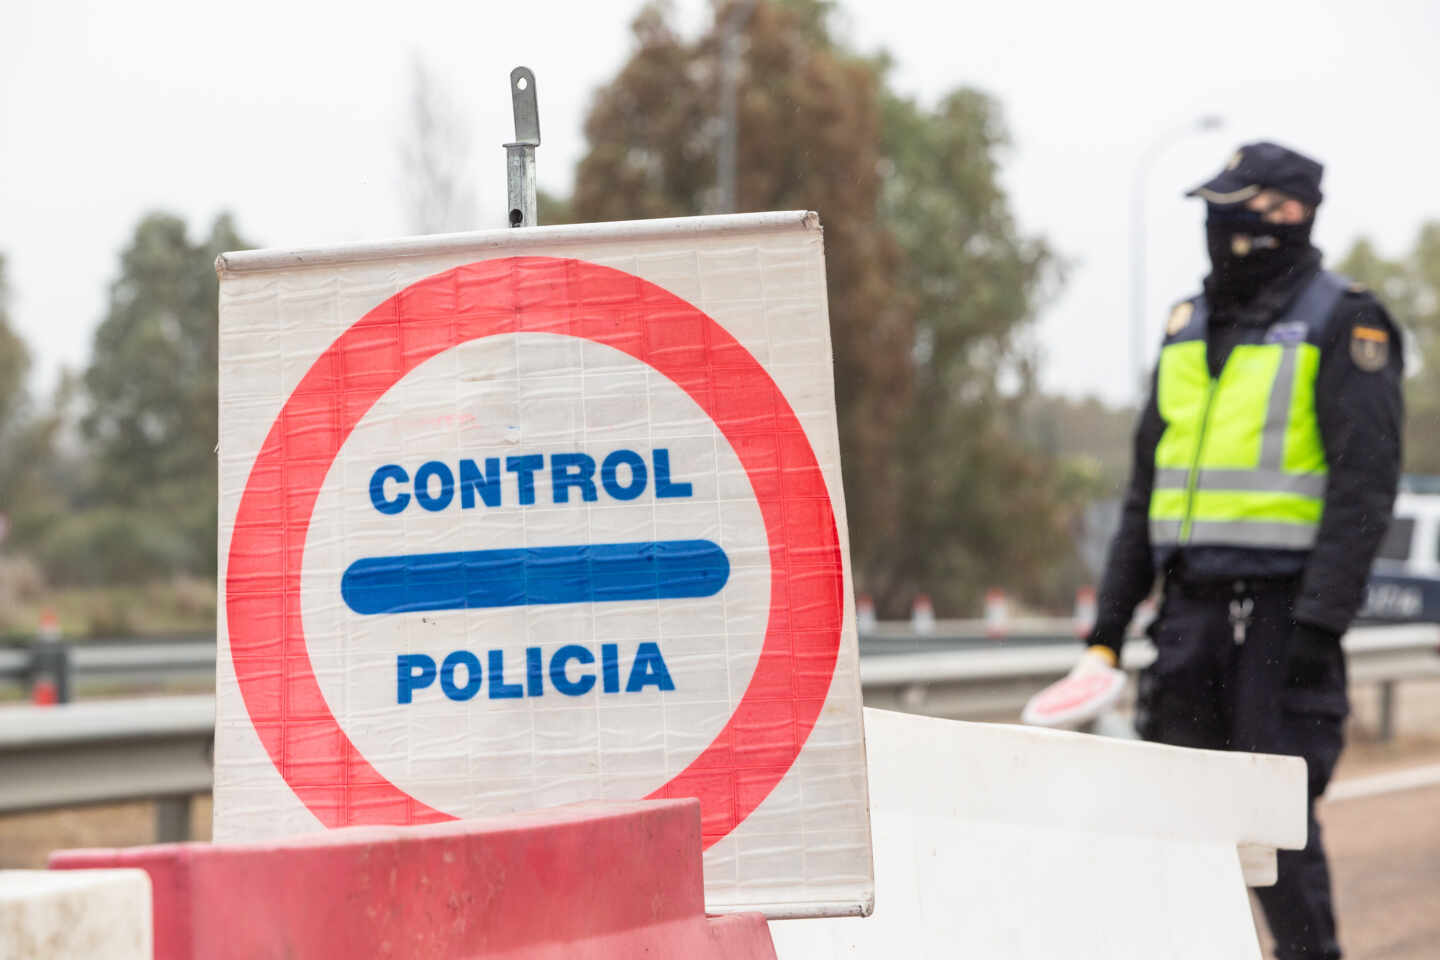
x=108, y=545
x=931, y=286
x=31, y=491
x=551, y=210
x=1410, y=289
x=983, y=506
x=152, y=415
x=162, y=605
x=1094, y=441
x=14, y=361
x=137, y=500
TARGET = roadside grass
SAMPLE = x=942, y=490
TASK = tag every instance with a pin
x=181, y=605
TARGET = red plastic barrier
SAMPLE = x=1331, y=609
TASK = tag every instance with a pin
x=593, y=881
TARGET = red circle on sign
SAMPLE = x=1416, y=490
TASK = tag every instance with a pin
x=792, y=678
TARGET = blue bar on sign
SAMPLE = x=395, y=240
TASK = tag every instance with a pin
x=470, y=579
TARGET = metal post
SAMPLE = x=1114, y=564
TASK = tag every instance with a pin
x=727, y=154
x=520, y=155
x=1387, y=710
x=172, y=819
x=50, y=664
x=63, y=673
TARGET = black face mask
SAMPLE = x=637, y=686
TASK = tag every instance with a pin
x=1246, y=252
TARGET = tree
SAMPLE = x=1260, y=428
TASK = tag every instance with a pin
x=931, y=286
x=436, y=159
x=1410, y=288
x=14, y=361
x=1092, y=438
x=28, y=495
x=151, y=392
x=552, y=210
x=984, y=505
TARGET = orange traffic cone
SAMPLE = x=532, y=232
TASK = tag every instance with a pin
x=997, y=614
x=922, y=615
x=44, y=689
x=864, y=613
x=43, y=692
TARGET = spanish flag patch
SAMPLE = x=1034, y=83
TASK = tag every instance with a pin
x=1369, y=348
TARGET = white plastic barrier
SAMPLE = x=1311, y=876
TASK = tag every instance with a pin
x=1023, y=844
x=75, y=915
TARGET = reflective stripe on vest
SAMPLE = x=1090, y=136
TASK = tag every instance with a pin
x=1240, y=462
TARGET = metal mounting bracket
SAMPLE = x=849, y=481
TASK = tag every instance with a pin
x=520, y=155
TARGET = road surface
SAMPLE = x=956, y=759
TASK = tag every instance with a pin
x=1384, y=843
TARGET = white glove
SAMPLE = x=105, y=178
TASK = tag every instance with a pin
x=1090, y=688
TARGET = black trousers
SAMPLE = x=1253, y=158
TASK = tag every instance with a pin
x=1223, y=680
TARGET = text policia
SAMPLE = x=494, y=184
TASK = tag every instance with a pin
x=516, y=576
x=416, y=671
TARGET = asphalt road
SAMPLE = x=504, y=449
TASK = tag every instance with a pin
x=1386, y=857
x=1385, y=862
x=1384, y=840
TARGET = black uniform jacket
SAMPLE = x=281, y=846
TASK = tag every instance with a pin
x=1360, y=413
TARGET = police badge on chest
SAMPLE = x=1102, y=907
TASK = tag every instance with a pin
x=1290, y=331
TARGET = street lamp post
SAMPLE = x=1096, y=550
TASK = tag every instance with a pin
x=727, y=160
x=1137, y=241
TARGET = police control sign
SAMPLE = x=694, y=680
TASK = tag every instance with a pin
x=517, y=519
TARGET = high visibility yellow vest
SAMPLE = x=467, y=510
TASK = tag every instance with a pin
x=1240, y=462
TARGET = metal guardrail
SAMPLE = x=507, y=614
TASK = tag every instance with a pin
x=152, y=660
x=109, y=751
x=963, y=654
x=121, y=660
x=986, y=683
x=160, y=748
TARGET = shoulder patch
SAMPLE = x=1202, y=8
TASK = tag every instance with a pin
x=1179, y=317
x=1369, y=347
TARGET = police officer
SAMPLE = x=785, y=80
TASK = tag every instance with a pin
x=1266, y=464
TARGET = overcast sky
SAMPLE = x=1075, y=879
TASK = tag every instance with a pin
x=288, y=114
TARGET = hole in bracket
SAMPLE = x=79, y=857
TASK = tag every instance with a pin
x=516, y=217
x=522, y=83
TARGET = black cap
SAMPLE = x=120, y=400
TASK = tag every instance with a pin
x=1264, y=166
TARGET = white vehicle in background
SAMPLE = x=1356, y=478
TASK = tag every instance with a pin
x=1405, y=580
x=1412, y=544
